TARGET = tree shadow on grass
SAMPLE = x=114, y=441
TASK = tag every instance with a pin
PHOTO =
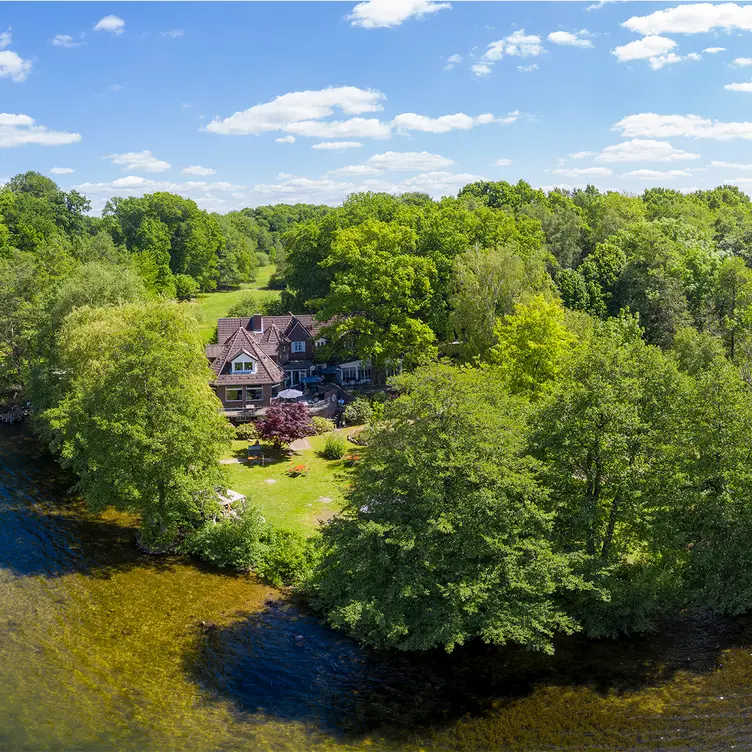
x=285, y=664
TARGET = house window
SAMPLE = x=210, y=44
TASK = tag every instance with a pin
x=243, y=366
x=234, y=394
x=349, y=374
x=320, y=342
x=298, y=346
x=253, y=393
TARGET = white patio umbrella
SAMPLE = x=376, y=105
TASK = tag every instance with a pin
x=290, y=394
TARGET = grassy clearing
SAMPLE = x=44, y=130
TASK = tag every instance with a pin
x=214, y=305
x=298, y=503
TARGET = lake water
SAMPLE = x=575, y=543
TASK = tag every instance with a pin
x=102, y=648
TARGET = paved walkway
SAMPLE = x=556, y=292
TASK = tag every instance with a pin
x=230, y=461
x=300, y=444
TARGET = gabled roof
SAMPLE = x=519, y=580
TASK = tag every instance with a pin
x=271, y=340
x=267, y=371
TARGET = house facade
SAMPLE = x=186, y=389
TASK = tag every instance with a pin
x=257, y=357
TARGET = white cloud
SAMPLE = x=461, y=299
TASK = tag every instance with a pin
x=517, y=44
x=356, y=170
x=714, y=50
x=527, y=68
x=197, y=170
x=17, y=130
x=480, y=69
x=745, y=86
x=408, y=161
x=695, y=18
x=172, y=33
x=382, y=14
x=503, y=162
x=337, y=145
x=732, y=166
x=657, y=174
x=143, y=161
x=742, y=62
x=644, y=150
x=302, y=113
x=582, y=154
x=643, y=49
x=580, y=38
x=576, y=172
x=13, y=66
x=651, y=125
x=410, y=121
x=5, y=38
x=452, y=60
x=115, y=88
x=113, y=24
x=61, y=170
x=285, y=140
x=439, y=183
x=64, y=40
x=134, y=185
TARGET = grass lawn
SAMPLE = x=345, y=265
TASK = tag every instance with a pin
x=214, y=305
x=292, y=503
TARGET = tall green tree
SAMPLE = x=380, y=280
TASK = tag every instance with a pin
x=444, y=537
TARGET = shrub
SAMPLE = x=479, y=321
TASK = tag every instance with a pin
x=247, y=432
x=285, y=423
x=262, y=258
x=359, y=411
x=288, y=558
x=322, y=425
x=236, y=542
x=335, y=447
x=185, y=287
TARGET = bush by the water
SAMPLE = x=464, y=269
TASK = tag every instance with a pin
x=248, y=543
x=335, y=447
x=359, y=411
x=247, y=432
x=322, y=425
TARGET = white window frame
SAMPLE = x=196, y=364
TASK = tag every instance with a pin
x=250, y=389
x=320, y=342
x=233, y=389
x=298, y=346
x=243, y=361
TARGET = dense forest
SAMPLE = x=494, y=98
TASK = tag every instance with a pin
x=568, y=448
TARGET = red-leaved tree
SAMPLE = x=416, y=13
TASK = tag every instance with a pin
x=285, y=423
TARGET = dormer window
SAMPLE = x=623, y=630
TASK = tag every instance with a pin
x=298, y=346
x=244, y=363
x=320, y=342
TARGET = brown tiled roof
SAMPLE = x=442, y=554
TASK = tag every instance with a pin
x=271, y=340
x=267, y=371
x=213, y=350
x=227, y=327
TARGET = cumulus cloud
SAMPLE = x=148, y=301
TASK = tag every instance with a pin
x=741, y=62
x=303, y=112
x=362, y=169
x=452, y=60
x=143, y=161
x=61, y=170
x=579, y=38
x=576, y=172
x=694, y=18
x=527, y=68
x=657, y=174
x=517, y=44
x=503, y=162
x=133, y=184
x=582, y=154
x=5, y=38
x=383, y=14
x=644, y=150
x=12, y=65
x=651, y=125
x=745, y=86
x=408, y=161
x=732, y=166
x=112, y=24
x=18, y=130
x=285, y=140
x=410, y=121
x=714, y=50
x=336, y=145
x=197, y=170
x=643, y=49
x=64, y=40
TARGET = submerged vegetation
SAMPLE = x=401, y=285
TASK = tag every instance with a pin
x=568, y=448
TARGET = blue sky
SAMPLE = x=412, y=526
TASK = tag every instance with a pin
x=406, y=95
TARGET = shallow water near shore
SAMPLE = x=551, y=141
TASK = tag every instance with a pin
x=103, y=648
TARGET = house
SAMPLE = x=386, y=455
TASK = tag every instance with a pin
x=256, y=357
